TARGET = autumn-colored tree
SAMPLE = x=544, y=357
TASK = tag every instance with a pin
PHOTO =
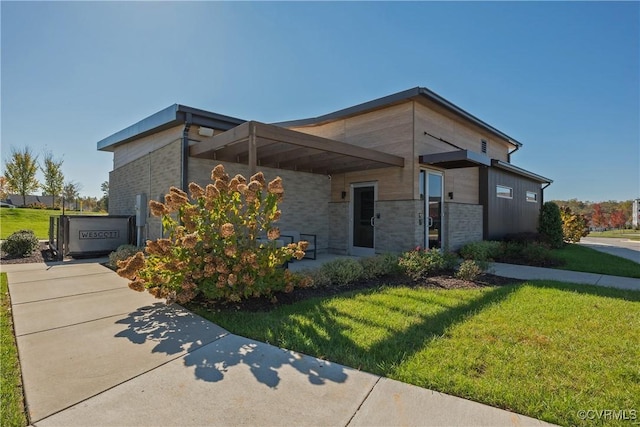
x=574, y=226
x=618, y=219
x=598, y=217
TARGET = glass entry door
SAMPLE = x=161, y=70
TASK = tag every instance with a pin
x=362, y=227
x=431, y=190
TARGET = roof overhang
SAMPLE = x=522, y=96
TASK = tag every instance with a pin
x=171, y=116
x=455, y=159
x=260, y=144
x=416, y=93
x=519, y=171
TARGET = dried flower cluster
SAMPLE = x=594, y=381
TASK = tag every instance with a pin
x=212, y=247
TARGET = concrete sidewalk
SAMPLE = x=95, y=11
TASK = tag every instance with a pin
x=95, y=353
x=524, y=272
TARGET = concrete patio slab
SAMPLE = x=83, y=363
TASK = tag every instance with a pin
x=392, y=403
x=80, y=361
x=59, y=312
x=40, y=290
x=232, y=381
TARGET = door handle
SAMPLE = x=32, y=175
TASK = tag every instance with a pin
x=430, y=222
x=373, y=221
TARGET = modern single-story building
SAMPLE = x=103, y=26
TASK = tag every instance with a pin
x=406, y=170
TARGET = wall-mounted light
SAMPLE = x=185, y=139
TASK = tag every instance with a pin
x=203, y=131
x=343, y=195
x=450, y=195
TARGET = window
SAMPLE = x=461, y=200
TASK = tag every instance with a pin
x=483, y=146
x=532, y=196
x=504, y=192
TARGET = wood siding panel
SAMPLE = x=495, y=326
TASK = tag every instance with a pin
x=464, y=135
x=463, y=183
x=388, y=130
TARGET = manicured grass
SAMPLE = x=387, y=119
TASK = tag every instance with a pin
x=625, y=234
x=580, y=258
x=544, y=349
x=31, y=219
x=11, y=398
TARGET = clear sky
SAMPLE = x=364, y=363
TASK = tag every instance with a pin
x=562, y=78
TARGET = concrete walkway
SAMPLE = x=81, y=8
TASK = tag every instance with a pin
x=95, y=353
x=524, y=272
x=622, y=247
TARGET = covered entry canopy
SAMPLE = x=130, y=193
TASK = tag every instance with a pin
x=260, y=144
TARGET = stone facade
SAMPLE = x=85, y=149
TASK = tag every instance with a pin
x=462, y=224
x=151, y=175
x=339, y=227
x=397, y=229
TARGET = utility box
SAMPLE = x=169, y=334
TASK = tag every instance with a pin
x=141, y=210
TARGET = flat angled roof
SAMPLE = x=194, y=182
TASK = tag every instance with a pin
x=519, y=171
x=395, y=99
x=171, y=116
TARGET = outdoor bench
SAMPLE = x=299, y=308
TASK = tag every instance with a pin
x=295, y=237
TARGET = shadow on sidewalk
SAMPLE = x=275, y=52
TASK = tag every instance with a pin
x=214, y=353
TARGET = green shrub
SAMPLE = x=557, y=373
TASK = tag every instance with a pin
x=419, y=264
x=380, y=265
x=21, y=243
x=343, y=271
x=122, y=253
x=535, y=254
x=469, y=270
x=317, y=277
x=213, y=246
x=550, y=225
x=486, y=250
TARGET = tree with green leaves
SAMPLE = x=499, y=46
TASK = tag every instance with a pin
x=20, y=172
x=53, y=177
x=104, y=202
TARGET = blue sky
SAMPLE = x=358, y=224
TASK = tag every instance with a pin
x=562, y=78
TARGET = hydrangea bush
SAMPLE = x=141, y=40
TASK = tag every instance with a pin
x=214, y=245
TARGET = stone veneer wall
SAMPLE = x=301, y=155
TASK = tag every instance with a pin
x=397, y=229
x=339, y=227
x=306, y=196
x=151, y=175
x=463, y=224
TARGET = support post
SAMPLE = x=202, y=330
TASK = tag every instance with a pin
x=253, y=152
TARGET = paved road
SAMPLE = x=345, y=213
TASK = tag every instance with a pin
x=624, y=248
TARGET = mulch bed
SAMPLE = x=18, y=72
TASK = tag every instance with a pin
x=300, y=294
x=44, y=254
x=444, y=281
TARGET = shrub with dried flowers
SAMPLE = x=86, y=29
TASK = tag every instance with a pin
x=213, y=246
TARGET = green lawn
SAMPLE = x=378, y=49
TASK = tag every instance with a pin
x=32, y=219
x=626, y=234
x=544, y=349
x=11, y=399
x=580, y=258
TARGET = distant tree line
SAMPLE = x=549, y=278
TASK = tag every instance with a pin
x=601, y=215
x=19, y=177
